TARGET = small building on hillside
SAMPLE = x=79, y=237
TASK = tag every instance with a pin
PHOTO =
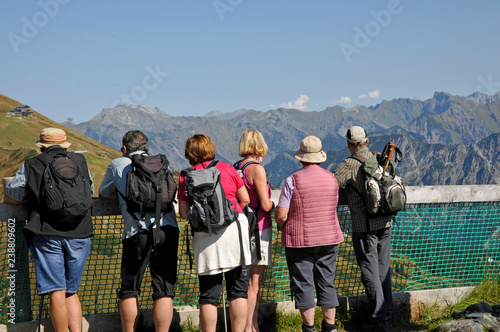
x=24, y=110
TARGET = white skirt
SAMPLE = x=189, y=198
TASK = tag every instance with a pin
x=221, y=251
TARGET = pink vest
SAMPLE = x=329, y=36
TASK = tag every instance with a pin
x=312, y=218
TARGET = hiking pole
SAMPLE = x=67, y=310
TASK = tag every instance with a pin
x=40, y=316
x=224, y=301
x=387, y=155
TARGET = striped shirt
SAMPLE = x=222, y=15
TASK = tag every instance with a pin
x=347, y=174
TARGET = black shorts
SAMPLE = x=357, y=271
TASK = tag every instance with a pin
x=137, y=253
x=236, y=286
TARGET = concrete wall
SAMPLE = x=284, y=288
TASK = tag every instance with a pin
x=408, y=303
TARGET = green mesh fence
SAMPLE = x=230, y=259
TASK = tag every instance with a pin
x=433, y=246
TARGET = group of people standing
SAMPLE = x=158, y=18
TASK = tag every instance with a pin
x=306, y=215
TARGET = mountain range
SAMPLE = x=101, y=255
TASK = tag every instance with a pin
x=445, y=140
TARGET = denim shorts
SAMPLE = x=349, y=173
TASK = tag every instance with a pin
x=59, y=262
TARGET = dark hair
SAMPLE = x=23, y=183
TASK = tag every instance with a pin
x=135, y=140
x=199, y=148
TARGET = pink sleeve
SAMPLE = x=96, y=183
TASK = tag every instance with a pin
x=181, y=195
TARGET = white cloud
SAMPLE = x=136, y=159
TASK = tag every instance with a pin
x=372, y=94
x=299, y=104
x=343, y=100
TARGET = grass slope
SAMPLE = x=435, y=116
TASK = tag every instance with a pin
x=18, y=135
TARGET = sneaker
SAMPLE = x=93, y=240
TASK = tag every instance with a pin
x=307, y=328
x=325, y=327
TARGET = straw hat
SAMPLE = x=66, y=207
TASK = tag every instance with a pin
x=52, y=136
x=311, y=151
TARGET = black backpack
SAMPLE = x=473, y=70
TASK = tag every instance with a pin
x=65, y=193
x=251, y=214
x=211, y=209
x=150, y=188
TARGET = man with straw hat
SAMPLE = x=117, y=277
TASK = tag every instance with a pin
x=307, y=215
x=59, y=245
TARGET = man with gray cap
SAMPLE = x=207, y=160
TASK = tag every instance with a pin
x=371, y=236
x=307, y=215
x=59, y=244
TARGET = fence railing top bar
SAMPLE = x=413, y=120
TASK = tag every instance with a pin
x=451, y=194
x=423, y=194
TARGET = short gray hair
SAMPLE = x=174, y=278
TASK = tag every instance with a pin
x=135, y=140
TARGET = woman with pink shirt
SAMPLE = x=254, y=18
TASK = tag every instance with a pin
x=219, y=254
x=253, y=148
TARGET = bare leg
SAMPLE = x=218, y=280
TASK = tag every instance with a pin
x=307, y=316
x=238, y=311
x=208, y=317
x=256, y=280
x=59, y=310
x=163, y=312
x=329, y=315
x=129, y=311
x=74, y=312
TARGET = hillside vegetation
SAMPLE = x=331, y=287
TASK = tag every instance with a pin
x=18, y=135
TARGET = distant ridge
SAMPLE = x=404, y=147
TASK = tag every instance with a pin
x=226, y=116
x=482, y=98
x=440, y=124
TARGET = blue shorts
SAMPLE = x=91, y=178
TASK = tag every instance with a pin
x=59, y=262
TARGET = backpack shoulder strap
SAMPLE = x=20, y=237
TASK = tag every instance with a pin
x=359, y=158
x=248, y=163
x=213, y=163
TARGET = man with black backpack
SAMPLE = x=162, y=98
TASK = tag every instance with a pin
x=58, y=188
x=371, y=235
x=145, y=189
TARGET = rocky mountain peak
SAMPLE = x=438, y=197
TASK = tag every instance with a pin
x=431, y=132
x=482, y=98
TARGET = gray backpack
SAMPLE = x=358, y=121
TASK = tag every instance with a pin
x=211, y=210
x=384, y=192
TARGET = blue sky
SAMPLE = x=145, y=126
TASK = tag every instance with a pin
x=72, y=58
